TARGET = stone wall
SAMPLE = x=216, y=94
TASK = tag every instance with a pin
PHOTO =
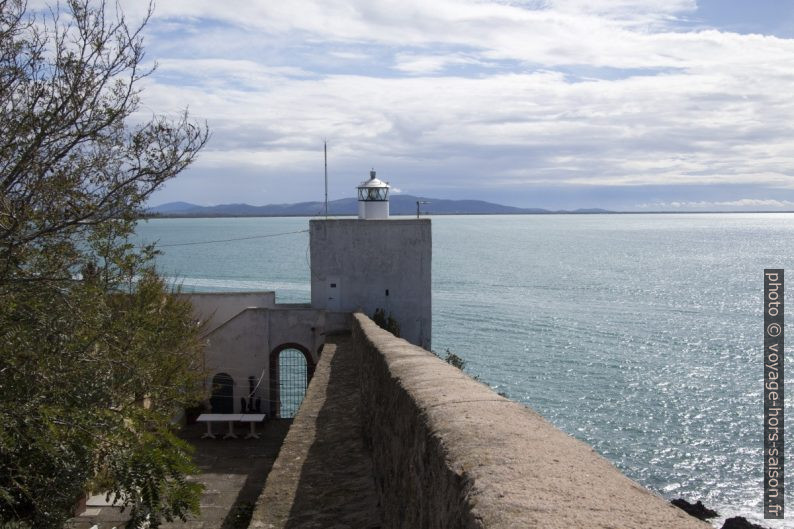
x=364, y=265
x=448, y=452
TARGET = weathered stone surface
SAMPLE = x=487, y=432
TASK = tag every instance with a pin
x=697, y=509
x=448, y=452
x=323, y=475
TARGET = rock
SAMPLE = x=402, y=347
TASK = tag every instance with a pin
x=698, y=510
x=739, y=522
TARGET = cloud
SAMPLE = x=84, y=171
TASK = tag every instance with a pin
x=519, y=129
x=478, y=94
x=747, y=203
x=425, y=64
x=349, y=55
x=623, y=34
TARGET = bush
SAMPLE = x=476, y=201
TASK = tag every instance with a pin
x=386, y=322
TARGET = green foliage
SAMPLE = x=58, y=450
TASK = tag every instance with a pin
x=88, y=391
x=386, y=322
x=454, y=360
x=14, y=525
x=96, y=353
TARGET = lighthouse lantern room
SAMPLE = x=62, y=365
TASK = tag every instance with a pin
x=373, y=199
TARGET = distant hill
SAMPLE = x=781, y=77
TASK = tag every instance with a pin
x=398, y=205
x=175, y=207
x=587, y=210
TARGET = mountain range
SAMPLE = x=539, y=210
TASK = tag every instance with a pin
x=399, y=204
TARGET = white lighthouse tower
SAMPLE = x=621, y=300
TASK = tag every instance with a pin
x=373, y=199
x=374, y=265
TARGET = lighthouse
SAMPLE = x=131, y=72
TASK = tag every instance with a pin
x=381, y=264
x=373, y=199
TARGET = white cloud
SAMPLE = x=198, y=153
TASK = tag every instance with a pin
x=637, y=10
x=636, y=131
x=424, y=64
x=350, y=55
x=747, y=203
x=557, y=92
x=561, y=32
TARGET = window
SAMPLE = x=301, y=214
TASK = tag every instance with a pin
x=376, y=194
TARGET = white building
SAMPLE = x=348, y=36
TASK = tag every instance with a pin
x=259, y=354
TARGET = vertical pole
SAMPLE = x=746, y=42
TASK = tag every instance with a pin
x=325, y=157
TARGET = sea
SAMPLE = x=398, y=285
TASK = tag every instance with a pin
x=640, y=334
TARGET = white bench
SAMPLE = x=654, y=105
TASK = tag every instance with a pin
x=231, y=418
x=252, y=418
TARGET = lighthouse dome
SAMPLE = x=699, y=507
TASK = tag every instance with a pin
x=373, y=198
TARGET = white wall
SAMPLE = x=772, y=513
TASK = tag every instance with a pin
x=373, y=209
x=242, y=345
x=364, y=259
x=215, y=308
x=241, y=348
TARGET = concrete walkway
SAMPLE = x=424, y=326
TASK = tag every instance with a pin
x=233, y=472
x=323, y=476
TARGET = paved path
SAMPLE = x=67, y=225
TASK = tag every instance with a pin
x=323, y=476
x=233, y=472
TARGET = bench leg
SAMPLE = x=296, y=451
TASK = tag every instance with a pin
x=209, y=433
x=252, y=434
x=231, y=434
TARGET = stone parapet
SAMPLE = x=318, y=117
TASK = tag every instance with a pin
x=448, y=452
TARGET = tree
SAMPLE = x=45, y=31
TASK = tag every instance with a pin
x=96, y=352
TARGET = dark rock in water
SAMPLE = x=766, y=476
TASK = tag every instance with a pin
x=698, y=510
x=739, y=522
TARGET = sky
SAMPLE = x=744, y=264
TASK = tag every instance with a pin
x=632, y=105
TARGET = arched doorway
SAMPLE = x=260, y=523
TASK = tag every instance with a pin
x=291, y=369
x=222, y=399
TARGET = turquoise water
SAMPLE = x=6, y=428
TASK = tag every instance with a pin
x=639, y=334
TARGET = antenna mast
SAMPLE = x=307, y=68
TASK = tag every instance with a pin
x=418, y=202
x=325, y=156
